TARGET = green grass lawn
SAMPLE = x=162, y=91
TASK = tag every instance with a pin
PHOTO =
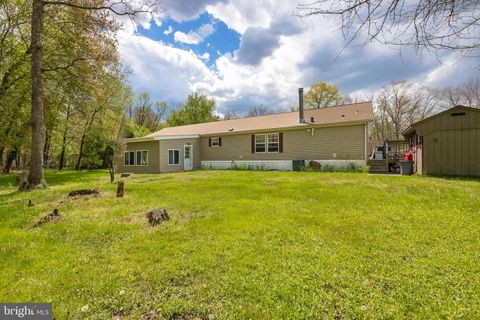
x=246, y=245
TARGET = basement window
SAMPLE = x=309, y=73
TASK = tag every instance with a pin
x=173, y=157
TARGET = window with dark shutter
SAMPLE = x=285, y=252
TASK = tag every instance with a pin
x=260, y=143
x=215, y=142
x=253, y=143
x=280, y=142
x=209, y=142
x=220, y=141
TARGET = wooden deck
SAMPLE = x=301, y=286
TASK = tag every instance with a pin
x=398, y=149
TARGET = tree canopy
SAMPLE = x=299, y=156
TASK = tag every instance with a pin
x=322, y=95
x=197, y=108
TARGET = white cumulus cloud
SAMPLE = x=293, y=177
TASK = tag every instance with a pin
x=195, y=36
x=168, y=30
x=278, y=53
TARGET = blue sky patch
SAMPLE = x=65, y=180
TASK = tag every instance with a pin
x=222, y=40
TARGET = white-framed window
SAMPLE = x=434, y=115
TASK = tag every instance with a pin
x=272, y=146
x=129, y=158
x=142, y=158
x=260, y=143
x=173, y=157
x=215, y=142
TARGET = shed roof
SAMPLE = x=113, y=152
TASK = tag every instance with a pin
x=411, y=129
x=343, y=114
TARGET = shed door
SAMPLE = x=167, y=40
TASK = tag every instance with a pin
x=187, y=158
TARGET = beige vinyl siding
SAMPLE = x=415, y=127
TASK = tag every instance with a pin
x=451, y=145
x=153, y=157
x=178, y=144
x=347, y=142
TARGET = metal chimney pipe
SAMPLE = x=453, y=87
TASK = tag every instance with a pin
x=301, y=117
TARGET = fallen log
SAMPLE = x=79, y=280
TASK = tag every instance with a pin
x=83, y=192
x=51, y=217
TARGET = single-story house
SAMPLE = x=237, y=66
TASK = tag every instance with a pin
x=447, y=143
x=336, y=136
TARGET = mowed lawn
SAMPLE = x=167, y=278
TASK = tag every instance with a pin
x=246, y=245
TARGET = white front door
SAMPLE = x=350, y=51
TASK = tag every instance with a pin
x=187, y=158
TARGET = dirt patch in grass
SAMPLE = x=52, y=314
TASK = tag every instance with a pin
x=51, y=217
x=191, y=316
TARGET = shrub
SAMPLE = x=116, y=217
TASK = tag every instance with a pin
x=351, y=167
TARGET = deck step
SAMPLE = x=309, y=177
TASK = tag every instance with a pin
x=377, y=166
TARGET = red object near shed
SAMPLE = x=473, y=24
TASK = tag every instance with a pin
x=408, y=156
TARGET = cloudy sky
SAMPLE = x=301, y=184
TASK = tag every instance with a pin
x=244, y=55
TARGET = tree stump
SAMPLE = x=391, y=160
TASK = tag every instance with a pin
x=120, y=185
x=30, y=203
x=83, y=192
x=157, y=216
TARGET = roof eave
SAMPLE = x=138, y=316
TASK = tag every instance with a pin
x=295, y=127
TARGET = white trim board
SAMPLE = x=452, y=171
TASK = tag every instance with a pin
x=176, y=137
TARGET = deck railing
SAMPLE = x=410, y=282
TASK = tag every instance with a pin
x=398, y=149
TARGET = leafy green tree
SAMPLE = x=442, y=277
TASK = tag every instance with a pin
x=322, y=95
x=134, y=130
x=14, y=81
x=198, y=108
x=85, y=97
x=87, y=16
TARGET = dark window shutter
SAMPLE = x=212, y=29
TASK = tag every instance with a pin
x=280, y=142
x=220, y=141
x=209, y=142
x=253, y=143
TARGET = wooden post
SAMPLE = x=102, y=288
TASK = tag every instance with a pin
x=120, y=185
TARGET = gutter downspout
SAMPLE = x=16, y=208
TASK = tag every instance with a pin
x=366, y=143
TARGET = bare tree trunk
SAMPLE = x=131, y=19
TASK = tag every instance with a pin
x=112, y=174
x=80, y=151
x=10, y=158
x=18, y=159
x=36, y=178
x=82, y=140
x=46, y=148
x=61, y=162
x=1, y=157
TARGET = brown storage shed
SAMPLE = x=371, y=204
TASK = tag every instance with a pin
x=447, y=143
